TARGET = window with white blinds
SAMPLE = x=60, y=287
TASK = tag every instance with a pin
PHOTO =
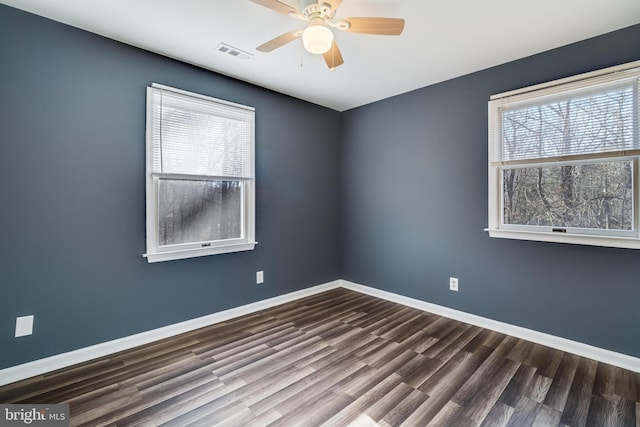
x=200, y=175
x=563, y=160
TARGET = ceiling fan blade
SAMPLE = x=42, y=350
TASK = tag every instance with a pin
x=333, y=57
x=277, y=42
x=383, y=26
x=276, y=5
x=334, y=3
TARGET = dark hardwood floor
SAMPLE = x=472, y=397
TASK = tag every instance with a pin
x=340, y=358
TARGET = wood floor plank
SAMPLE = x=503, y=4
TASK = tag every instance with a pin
x=626, y=385
x=495, y=364
x=339, y=358
x=477, y=409
x=388, y=402
x=263, y=388
x=444, y=384
x=625, y=412
x=420, y=341
x=454, y=340
x=605, y=381
x=94, y=408
x=405, y=330
x=498, y=416
x=601, y=412
x=191, y=367
x=579, y=398
x=339, y=369
x=198, y=395
x=520, y=385
x=418, y=369
x=441, y=327
x=271, y=359
x=404, y=408
x=520, y=352
x=220, y=352
x=316, y=411
x=207, y=414
x=364, y=402
x=450, y=414
x=547, y=416
x=540, y=388
x=559, y=390
x=525, y=413
x=395, y=320
x=549, y=362
x=383, y=354
x=451, y=348
x=309, y=391
x=370, y=378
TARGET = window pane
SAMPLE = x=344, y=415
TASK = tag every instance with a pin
x=596, y=195
x=591, y=123
x=199, y=211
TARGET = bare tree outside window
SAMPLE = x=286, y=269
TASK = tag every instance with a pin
x=597, y=195
x=579, y=194
x=199, y=211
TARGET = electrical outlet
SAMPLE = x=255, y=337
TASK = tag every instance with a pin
x=259, y=277
x=453, y=284
x=24, y=326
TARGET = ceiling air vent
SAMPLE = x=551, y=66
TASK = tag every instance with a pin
x=230, y=50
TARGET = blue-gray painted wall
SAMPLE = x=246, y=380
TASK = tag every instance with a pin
x=72, y=203
x=414, y=205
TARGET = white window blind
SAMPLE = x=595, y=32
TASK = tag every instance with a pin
x=199, y=137
x=590, y=122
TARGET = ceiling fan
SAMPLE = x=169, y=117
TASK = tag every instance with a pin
x=317, y=37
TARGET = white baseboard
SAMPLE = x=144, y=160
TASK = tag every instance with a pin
x=601, y=355
x=49, y=364
x=64, y=360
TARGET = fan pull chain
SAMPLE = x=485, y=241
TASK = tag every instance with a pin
x=301, y=55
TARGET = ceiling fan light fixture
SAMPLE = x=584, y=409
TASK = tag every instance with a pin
x=317, y=39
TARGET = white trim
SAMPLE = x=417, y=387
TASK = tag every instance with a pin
x=205, y=97
x=578, y=239
x=198, y=252
x=64, y=360
x=601, y=355
x=49, y=364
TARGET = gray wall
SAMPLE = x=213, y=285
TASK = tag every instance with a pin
x=72, y=204
x=414, y=205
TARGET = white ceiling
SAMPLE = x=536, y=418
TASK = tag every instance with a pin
x=441, y=40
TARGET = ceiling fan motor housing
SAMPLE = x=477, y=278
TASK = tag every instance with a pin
x=310, y=9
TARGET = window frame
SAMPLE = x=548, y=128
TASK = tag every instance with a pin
x=156, y=252
x=595, y=237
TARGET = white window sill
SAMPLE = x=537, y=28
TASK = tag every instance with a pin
x=192, y=253
x=578, y=239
